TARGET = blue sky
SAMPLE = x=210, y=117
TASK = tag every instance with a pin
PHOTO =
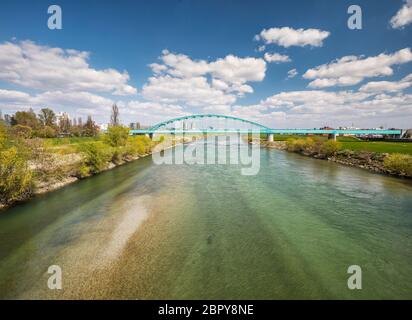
x=213, y=62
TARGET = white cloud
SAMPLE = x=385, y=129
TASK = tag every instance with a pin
x=261, y=48
x=276, y=57
x=237, y=70
x=189, y=91
x=13, y=97
x=58, y=100
x=44, y=68
x=180, y=65
x=292, y=73
x=351, y=70
x=403, y=17
x=195, y=83
x=387, y=86
x=315, y=108
x=149, y=113
x=287, y=37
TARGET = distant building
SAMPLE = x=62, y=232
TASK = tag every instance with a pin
x=62, y=117
x=103, y=126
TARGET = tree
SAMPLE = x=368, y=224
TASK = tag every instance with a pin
x=47, y=117
x=26, y=118
x=46, y=132
x=114, y=118
x=116, y=136
x=90, y=129
x=65, y=124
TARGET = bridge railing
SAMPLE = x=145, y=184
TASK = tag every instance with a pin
x=268, y=131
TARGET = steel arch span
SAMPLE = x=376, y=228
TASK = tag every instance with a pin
x=200, y=116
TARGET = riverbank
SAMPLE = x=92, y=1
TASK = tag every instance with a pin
x=53, y=168
x=372, y=161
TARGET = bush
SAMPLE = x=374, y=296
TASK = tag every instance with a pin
x=16, y=180
x=116, y=136
x=21, y=131
x=4, y=140
x=96, y=155
x=301, y=145
x=46, y=132
x=294, y=145
x=399, y=163
x=330, y=147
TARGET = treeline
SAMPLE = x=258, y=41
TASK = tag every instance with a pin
x=46, y=124
x=29, y=162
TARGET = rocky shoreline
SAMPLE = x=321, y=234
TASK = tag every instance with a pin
x=68, y=174
x=371, y=161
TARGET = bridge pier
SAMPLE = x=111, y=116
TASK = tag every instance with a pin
x=271, y=137
x=332, y=136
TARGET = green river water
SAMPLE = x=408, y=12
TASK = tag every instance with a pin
x=146, y=231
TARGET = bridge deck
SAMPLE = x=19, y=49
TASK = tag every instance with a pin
x=267, y=131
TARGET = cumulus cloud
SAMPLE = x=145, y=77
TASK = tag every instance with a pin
x=351, y=70
x=59, y=100
x=315, y=108
x=39, y=67
x=287, y=37
x=387, y=86
x=292, y=73
x=276, y=57
x=403, y=17
x=189, y=91
x=230, y=69
x=181, y=79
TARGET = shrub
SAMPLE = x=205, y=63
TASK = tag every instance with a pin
x=4, y=141
x=46, y=132
x=330, y=147
x=22, y=131
x=96, y=155
x=116, y=136
x=298, y=145
x=399, y=163
x=16, y=181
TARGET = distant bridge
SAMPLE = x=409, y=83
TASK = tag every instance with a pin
x=222, y=124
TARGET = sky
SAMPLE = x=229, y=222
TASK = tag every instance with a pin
x=285, y=64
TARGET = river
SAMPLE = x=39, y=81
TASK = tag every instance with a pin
x=146, y=231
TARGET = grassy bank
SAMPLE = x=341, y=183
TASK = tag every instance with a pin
x=30, y=166
x=355, y=144
x=383, y=157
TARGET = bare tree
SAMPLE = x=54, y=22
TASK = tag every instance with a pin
x=114, y=118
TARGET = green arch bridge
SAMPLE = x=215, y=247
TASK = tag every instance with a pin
x=247, y=127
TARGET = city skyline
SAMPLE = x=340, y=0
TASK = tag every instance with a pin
x=282, y=65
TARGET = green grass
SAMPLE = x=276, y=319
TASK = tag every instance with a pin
x=69, y=140
x=353, y=143
x=379, y=146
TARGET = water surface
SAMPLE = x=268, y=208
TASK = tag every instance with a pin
x=206, y=232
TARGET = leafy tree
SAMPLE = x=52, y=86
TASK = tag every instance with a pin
x=26, y=118
x=116, y=136
x=47, y=132
x=47, y=117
